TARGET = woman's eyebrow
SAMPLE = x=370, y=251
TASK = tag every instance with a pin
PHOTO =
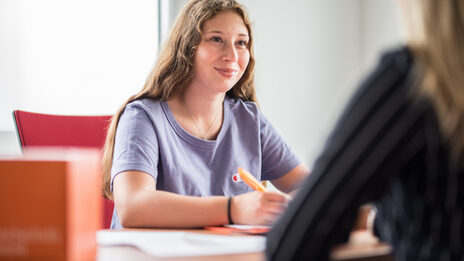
x=214, y=32
x=220, y=32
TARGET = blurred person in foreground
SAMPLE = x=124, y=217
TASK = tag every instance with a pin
x=400, y=144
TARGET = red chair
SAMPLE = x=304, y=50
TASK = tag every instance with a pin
x=36, y=129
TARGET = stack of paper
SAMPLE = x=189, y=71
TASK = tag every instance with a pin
x=177, y=244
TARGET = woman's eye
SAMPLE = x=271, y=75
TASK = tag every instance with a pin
x=242, y=43
x=216, y=39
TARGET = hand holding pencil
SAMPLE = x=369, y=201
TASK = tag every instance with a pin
x=259, y=207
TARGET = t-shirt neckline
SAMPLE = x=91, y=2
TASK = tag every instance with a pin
x=206, y=144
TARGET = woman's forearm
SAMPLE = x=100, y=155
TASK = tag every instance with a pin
x=139, y=204
x=165, y=209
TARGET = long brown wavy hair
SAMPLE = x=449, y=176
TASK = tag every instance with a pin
x=436, y=38
x=174, y=68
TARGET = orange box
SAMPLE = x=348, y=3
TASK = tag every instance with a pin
x=50, y=205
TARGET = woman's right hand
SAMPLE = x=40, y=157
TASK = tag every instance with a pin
x=258, y=208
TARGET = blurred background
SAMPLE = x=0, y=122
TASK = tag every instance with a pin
x=87, y=57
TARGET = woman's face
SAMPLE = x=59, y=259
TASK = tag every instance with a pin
x=223, y=55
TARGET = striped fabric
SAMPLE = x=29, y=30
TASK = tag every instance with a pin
x=387, y=149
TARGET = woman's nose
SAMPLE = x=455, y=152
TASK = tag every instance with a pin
x=230, y=53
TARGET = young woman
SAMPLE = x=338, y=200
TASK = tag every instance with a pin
x=400, y=143
x=172, y=150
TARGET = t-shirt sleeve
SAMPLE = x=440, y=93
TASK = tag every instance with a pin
x=278, y=158
x=136, y=146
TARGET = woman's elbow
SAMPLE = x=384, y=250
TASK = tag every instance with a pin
x=129, y=209
x=132, y=193
x=125, y=212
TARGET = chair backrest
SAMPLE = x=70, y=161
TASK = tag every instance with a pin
x=36, y=129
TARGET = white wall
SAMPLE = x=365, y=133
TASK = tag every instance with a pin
x=170, y=9
x=307, y=53
x=311, y=55
x=9, y=61
x=381, y=30
x=73, y=57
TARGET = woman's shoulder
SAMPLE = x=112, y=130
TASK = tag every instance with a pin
x=245, y=112
x=399, y=58
x=148, y=105
x=392, y=70
x=240, y=106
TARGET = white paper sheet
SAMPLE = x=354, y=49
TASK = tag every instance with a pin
x=178, y=244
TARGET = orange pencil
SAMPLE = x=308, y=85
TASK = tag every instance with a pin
x=251, y=181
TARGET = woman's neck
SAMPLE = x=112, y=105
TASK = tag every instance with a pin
x=200, y=115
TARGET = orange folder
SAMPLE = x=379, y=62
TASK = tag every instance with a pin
x=50, y=205
x=258, y=230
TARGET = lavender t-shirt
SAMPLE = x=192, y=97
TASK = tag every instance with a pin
x=149, y=139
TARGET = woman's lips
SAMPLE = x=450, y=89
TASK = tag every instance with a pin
x=226, y=72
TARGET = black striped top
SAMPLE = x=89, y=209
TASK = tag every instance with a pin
x=386, y=148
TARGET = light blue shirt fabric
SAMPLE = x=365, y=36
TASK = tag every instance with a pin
x=149, y=139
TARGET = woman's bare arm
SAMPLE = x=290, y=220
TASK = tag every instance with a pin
x=139, y=204
x=290, y=182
